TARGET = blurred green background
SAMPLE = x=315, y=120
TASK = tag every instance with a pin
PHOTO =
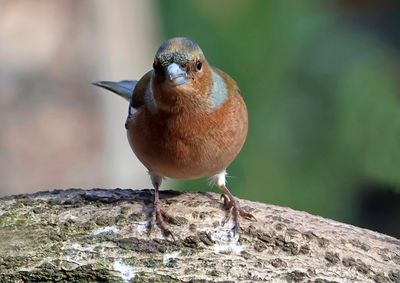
x=321, y=82
x=320, y=79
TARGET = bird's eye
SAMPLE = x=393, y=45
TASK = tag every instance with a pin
x=157, y=67
x=199, y=65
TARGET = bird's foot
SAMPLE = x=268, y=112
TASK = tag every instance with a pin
x=160, y=216
x=232, y=208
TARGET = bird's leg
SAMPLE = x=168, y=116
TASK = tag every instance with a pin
x=159, y=215
x=230, y=204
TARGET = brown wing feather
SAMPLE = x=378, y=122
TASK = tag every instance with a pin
x=140, y=90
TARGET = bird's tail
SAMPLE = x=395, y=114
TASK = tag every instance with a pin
x=122, y=88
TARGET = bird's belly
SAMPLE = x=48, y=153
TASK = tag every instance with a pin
x=179, y=159
x=190, y=154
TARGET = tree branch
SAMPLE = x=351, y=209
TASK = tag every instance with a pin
x=100, y=235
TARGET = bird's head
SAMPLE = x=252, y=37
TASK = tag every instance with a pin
x=181, y=69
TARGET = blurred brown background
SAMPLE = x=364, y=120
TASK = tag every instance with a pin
x=320, y=79
x=57, y=131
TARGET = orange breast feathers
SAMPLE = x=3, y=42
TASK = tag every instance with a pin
x=190, y=145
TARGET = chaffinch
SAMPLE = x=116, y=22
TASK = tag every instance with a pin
x=186, y=120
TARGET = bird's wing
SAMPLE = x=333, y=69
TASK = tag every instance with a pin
x=231, y=84
x=139, y=92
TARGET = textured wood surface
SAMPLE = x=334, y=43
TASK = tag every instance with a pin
x=100, y=236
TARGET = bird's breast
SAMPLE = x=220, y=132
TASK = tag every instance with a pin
x=185, y=146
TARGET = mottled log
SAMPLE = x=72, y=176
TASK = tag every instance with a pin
x=100, y=236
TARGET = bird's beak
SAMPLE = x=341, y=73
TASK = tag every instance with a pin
x=122, y=88
x=176, y=74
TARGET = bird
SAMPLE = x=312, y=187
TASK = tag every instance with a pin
x=186, y=120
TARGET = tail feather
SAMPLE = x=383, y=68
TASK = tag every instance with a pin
x=122, y=88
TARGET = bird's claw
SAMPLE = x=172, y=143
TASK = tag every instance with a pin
x=247, y=215
x=160, y=216
x=232, y=208
x=227, y=203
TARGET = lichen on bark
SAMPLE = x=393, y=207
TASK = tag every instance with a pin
x=100, y=236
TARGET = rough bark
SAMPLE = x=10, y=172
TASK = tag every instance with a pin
x=100, y=236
